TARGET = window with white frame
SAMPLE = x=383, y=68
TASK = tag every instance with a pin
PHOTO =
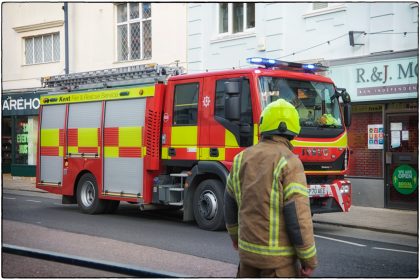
x=134, y=31
x=319, y=5
x=42, y=48
x=236, y=17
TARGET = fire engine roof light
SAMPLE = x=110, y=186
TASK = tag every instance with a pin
x=272, y=63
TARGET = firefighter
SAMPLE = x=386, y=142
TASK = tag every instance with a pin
x=267, y=210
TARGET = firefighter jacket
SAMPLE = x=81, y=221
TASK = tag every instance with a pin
x=267, y=206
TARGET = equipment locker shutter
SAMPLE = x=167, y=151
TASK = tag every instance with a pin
x=123, y=146
x=52, y=143
x=84, y=133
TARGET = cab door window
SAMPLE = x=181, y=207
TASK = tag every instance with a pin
x=246, y=105
x=186, y=104
x=243, y=130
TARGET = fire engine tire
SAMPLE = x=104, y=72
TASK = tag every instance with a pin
x=111, y=206
x=208, y=205
x=88, y=196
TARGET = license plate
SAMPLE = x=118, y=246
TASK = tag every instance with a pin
x=317, y=191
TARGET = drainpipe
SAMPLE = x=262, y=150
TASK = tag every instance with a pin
x=66, y=37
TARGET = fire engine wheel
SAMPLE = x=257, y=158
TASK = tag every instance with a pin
x=208, y=205
x=88, y=196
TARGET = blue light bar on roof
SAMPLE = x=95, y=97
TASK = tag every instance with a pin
x=271, y=63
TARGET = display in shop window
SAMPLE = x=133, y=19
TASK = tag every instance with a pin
x=22, y=141
x=375, y=136
x=405, y=179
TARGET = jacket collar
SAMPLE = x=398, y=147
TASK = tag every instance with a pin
x=279, y=139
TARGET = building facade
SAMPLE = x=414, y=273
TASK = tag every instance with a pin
x=100, y=36
x=371, y=50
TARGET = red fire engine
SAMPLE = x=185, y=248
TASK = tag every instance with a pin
x=151, y=135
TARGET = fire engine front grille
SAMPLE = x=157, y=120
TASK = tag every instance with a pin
x=337, y=165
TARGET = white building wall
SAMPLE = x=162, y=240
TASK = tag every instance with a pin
x=20, y=20
x=92, y=38
x=289, y=31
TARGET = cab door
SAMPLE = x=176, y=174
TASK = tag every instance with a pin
x=181, y=120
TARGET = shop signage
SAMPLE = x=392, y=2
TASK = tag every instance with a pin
x=20, y=104
x=366, y=108
x=404, y=179
x=379, y=80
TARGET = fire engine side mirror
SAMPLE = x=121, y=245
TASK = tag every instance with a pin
x=347, y=114
x=233, y=89
x=345, y=96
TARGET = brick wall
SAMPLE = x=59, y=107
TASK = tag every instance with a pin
x=364, y=162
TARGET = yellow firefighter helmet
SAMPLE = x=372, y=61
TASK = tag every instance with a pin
x=280, y=118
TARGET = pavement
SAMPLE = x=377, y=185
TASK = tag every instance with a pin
x=370, y=218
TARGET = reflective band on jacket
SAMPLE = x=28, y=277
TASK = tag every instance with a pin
x=235, y=177
x=293, y=188
x=274, y=204
x=306, y=253
x=232, y=230
x=267, y=250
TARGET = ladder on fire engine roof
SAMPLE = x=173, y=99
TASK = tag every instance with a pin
x=113, y=77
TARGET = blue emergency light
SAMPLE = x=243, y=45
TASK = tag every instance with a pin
x=275, y=63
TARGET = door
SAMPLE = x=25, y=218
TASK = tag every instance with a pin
x=123, y=146
x=181, y=120
x=52, y=144
x=401, y=161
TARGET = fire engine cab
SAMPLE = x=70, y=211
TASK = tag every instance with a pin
x=151, y=135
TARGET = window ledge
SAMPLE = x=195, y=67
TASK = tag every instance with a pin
x=328, y=10
x=38, y=26
x=132, y=61
x=40, y=63
x=230, y=37
x=414, y=5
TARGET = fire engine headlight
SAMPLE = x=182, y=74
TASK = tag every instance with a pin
x=345, y=189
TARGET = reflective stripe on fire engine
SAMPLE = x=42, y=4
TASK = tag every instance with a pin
x=184, y=136
x=83, y=140
x=230, y=139
x=341, y=142
x=274, y=204
x=256, y=136
x=52, y=142
x=112, y=94
x=124, y=142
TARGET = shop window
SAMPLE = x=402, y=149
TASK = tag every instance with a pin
x=6, y=144
x=21, y=140
x=358, y=144
x=186, y=104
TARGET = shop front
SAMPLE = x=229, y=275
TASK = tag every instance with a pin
x=20, y=132
x=383, y=137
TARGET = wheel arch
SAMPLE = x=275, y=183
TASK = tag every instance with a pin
x=203, y=170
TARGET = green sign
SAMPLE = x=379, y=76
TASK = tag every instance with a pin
x=404, y=179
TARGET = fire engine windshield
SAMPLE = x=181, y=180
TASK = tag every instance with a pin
x=315, y=101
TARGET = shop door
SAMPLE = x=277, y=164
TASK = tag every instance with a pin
x=401, y=161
